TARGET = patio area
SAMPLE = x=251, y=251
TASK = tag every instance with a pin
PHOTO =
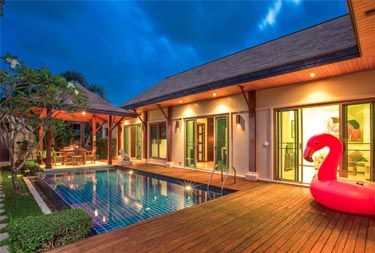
x=260, y=217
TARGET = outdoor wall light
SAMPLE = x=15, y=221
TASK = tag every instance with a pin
x=238, y=119
x=177, y=125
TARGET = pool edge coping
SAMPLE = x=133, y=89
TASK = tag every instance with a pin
x=42, y=205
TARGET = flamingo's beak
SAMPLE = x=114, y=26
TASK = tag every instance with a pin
x=307, y=154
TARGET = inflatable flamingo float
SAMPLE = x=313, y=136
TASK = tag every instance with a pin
x=343, y=195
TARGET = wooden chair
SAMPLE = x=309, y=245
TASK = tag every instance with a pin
x=57, y=155
x=78, y=157
x=69, y=158
x=40, y=156
x=92, y=155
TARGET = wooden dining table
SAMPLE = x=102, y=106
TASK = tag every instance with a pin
x=73, y=154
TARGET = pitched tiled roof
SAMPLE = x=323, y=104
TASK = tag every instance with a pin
x=327, y=42
x=100, y=106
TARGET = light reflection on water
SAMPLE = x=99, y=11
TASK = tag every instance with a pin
x=117, y=198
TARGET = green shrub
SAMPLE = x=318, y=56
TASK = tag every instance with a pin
x=39, y=233
x=31, y=165
x=102, y=148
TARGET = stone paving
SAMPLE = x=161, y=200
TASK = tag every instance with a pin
x=3, y=236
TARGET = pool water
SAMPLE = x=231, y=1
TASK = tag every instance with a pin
x=116, y=198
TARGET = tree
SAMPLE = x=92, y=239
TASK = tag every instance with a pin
x=74, y=76
x=1, y=8
x=30, y=100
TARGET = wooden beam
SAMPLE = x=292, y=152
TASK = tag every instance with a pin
x=117, y=123
x=161, y=109
x=139, y=117
x=100, y=126
x=245, y=96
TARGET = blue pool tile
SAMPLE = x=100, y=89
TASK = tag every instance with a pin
x=118, y=198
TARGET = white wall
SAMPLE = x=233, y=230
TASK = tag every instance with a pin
x=330, y=90
x=354, y=86
x=264, y=147
x=345, y=87
x=235, y=103
x=230, y=106
x=239, y=140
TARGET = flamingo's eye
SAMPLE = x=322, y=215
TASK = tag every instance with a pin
x=316, y=142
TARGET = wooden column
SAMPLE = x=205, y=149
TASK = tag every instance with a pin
x=109, y=140
x=119, y=137
x=40, y=133
x=48, y=143
x=41, y=130
x=252, y=131
x=82, y=134
x=169, y=134
x=93, y=128
x=144, y=136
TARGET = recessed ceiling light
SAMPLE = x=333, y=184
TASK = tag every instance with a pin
x=180, y=101
x=214, y=94
x=312, y=74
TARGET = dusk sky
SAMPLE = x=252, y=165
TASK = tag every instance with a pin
x=128, y=46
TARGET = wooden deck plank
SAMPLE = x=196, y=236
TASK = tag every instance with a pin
x=265, y=237
x=360, y=244
x=318, y=246
x=370, y=239
x=344, y=235
x=330, y=244
x=260, y=217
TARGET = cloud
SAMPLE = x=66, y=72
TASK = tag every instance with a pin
x=273, y=12
x=127, y=46
x=271, y=15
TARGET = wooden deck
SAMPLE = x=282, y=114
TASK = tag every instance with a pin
x=260, y=217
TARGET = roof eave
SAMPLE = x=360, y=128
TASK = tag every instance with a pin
x=337, y=56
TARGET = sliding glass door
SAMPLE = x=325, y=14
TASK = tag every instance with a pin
x=358, y=141
x=139, y=142
x=206, y=142
x=158, y=140
x=221, y=142
x=133, y=141
x=190, y=143
x=353, y=123
x=287, y=152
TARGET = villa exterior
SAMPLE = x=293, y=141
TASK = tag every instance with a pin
x=255, y=110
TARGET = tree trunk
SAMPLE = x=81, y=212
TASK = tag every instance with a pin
x=16, y=185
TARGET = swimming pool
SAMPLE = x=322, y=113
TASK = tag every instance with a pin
x=115, y=198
